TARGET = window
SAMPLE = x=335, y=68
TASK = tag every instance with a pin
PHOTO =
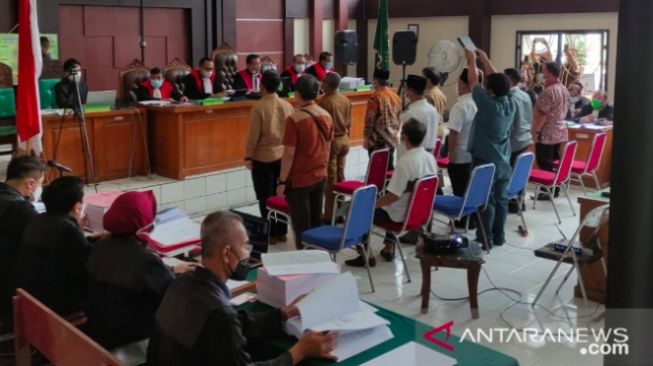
x=583, y=54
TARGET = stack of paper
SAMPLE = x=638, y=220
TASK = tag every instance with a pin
x=335, y=306
x=173, y=230
x=412, y=354
x=96, y=205
x=298, y=262
x=351, y=83
x=278, y=291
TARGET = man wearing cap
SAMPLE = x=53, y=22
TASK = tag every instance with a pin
x=420, y=109
x=382, y=117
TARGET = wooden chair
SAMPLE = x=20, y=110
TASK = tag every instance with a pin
x=7, y=109
x=226, y=64
x=59, y=341
x=129, y=78
x=175, y=72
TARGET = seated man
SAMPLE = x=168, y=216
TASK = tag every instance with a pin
x=158, y=88
x=203, y=82
x=196, y=324
x=322, y=67
x=24, y=180
x=65, y=91
x=297, y=68
x=414, y=164
x=578, y=101
x=126, y=279
x=250, y=78
x=51, y=260
x=600, y=105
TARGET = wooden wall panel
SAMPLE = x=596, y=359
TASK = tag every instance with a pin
x=260, y=30
x=256, y=9
x=260, y=36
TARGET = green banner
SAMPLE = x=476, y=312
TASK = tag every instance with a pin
x=382, y=58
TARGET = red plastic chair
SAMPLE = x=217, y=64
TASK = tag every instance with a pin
x=418, y=213
x=558, y=179
x=579, y=169
x=376, y=172
x=277, y=211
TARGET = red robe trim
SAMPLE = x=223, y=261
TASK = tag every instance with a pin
x=166, y=89
x=247, y=78
x=198, y=79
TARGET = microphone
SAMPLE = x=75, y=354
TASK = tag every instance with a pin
x=61, y=167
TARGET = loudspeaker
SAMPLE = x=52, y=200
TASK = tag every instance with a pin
x=404, y=47
x=345, y=44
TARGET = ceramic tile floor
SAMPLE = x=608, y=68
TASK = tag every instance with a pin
x=512, y=266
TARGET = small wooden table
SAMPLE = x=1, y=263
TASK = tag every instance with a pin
x=469, y=258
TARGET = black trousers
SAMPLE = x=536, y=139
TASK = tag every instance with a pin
x=546, y=155
x=265, y=177
x=459, y=176
x=515, y=154
x=305, y=205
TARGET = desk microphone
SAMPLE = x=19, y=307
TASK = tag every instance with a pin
x=61, y=167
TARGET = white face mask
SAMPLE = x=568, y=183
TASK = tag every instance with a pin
x=76, y=77
x=300, y=68
x=205, y=74
x=574, y=100
x=36, y=196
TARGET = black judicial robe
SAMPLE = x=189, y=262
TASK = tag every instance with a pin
x=126, y=284
x=66, y=95
x=15, y=214
x=51, y=262
x=196, y=325
x=194, y=86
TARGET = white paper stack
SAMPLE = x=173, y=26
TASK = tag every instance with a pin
x=96, y=205
x=335, y=306
x=298, y=262
x=278, y=291
x=412, y=354
x=351, y=83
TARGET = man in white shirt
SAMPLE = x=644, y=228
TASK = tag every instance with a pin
x=414, y=164
x=461, y=117
x=421, y=110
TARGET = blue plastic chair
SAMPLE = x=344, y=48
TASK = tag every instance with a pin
x=517, y=186
x=474, y=201
x=357, y=228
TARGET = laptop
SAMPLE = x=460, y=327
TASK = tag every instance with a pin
x=106, y=97
x=258, y=230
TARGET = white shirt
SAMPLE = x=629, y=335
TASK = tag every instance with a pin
x=425, y=113
x=461, y=117
x=208, y=85
x=156, y=93
x=413, y=165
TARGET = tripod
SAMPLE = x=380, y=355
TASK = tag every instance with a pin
x=80, y=116
x=402, y=86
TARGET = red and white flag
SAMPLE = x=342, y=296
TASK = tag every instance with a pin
x=30, y=64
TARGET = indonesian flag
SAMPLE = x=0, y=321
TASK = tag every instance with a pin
x=30, y=63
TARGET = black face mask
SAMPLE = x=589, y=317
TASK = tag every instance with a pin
x=241, y=270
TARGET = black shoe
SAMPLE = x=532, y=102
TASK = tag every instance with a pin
x=360, y=262
x=411, y=237
x=541, y=197
x=388, y=256
x=498, y=243
x=513, y=206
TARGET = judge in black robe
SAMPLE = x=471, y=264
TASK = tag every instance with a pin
x=203, y=82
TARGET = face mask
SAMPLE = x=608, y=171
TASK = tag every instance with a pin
x=329, y=65
x=75, y=77
x=205, y=74
x=156, y=84
x=36, y=196
x=574, y=100
x=300, y=68
x=240, y=272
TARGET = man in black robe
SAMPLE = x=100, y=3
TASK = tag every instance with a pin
x=203, y=82
x=196, y=324
x=24, y=180
x=65, y=91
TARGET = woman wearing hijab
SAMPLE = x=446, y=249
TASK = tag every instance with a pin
x=126, y=280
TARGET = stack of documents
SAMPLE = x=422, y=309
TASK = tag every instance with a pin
x=96, y=205
x=335, y=306
x=278, y=291
x=174, y=233
x=351, y=83
x=412, y=354
x=298, y=262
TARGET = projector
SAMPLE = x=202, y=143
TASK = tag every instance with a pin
x=441, y=244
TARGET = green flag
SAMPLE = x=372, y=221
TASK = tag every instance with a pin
x=381, y=38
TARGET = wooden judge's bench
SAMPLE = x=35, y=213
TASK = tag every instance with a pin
x=190, y=140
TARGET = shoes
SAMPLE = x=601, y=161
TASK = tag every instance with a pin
x=273, y=240
x=283, y=238
x=360, y=261
x=411, y=237
x=513, y=206
x=388, y=256
x=498, y=243
x=541, y=197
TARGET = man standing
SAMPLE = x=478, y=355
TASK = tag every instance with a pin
x=264, y=148
x=489, y=141
x=308, y=136
x=65, y=91
x=549, y=127
x=520, y=135
x=382, y=117
x=339, y=107
x=158, y=88
x=196, y=324
x=203, y=82
x=322, y=67
x=24, y=179
x=420, y=109
x=295, y=70
x=461, y=118
x=250, y=78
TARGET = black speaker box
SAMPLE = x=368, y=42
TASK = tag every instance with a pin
x=346, y=47
x=404, y=47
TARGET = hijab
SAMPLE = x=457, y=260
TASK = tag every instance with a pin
x=130, y=213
